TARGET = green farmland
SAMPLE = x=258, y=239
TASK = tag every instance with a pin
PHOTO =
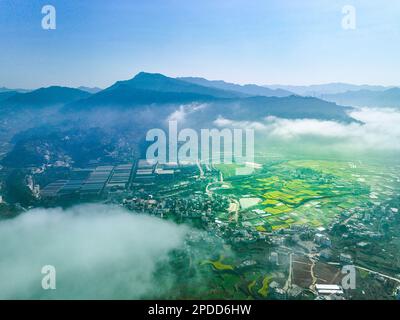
x=304, y=191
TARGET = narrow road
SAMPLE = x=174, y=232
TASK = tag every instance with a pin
x=378, y=273
x=288, y=283
x=314, y=278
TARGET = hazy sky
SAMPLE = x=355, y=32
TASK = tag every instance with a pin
x=260, y=41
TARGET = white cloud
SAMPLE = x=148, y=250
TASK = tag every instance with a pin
x=222, y=122
x=379, y=129
x=98, y=252
x=180, y=114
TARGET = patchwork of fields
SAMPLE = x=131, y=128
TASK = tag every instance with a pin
x=305, y=192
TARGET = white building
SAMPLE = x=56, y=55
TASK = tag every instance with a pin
x=328, y=289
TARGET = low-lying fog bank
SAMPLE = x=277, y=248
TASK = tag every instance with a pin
x=98, y=251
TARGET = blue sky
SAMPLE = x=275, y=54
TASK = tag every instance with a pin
x=245, y=41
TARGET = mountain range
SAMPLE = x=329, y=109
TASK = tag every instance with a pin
x=155, y=89
x=146, y=88
x=4, y=89
x=247, y=89
x=42, y=97
x=318, y=90
x=161, y=95
x=90, y=89
x=366, y=98
x=38, y=122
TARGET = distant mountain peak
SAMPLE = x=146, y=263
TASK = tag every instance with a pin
x=247, y=89
x=46, y=96
x=389, y=98
x=319, y=90
x=157, y=82
x=90, y=89
x=4, y=89
x=144, y=74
